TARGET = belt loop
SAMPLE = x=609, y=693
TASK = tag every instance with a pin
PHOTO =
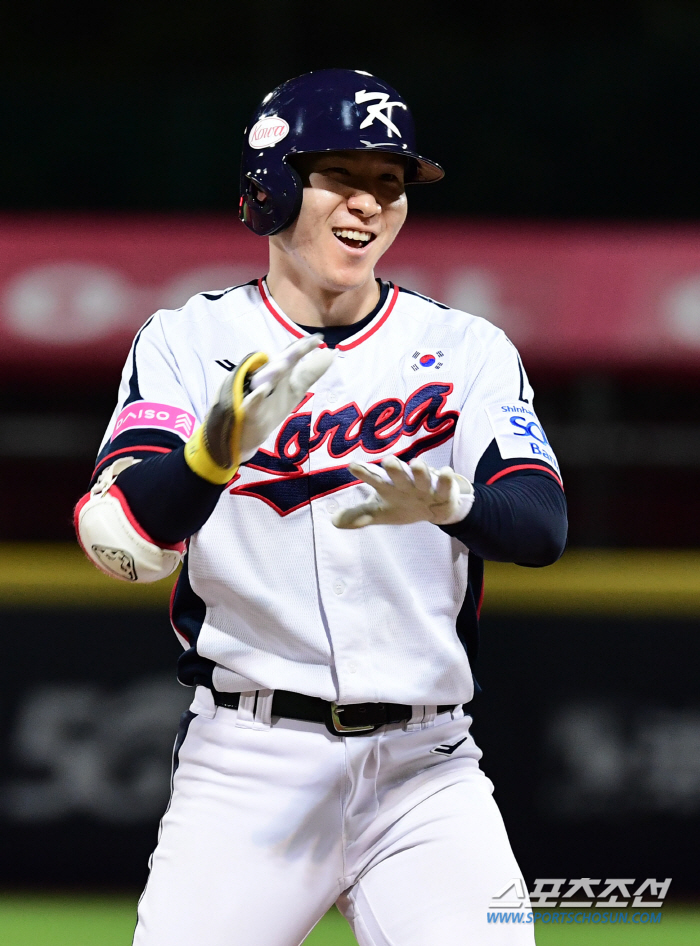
x=416, y=720
x=255, y=709
x=263, y=710
x=203, y=703
x=429, y=717
x=245, y=717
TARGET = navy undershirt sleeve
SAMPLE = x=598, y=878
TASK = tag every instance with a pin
x=520, y=519
x=168, y=500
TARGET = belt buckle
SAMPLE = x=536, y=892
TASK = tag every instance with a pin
x=345, y=730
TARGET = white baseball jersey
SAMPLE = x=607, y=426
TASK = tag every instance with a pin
x=272, y=595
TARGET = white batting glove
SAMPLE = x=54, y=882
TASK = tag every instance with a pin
x=252, y=403
x=406, y=493
x=277, y=388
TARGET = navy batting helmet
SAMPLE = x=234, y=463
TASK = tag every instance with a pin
x=328, y=110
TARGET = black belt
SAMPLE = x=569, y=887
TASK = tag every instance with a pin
x=351, y=719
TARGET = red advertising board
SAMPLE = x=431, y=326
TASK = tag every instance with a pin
x=73, y=291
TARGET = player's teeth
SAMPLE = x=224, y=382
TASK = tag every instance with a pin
x=353, y=235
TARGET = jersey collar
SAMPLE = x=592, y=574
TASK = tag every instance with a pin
x=380, y=318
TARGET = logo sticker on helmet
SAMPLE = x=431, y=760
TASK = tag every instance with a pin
x=377, y=111
x=267, y=132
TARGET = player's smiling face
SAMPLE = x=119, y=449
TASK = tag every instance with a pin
x=353, y=207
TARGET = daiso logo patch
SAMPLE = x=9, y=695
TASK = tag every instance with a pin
x=267, y=132
x=150, y=414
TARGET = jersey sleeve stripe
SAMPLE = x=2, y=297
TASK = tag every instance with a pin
x=523, y=466
x=135, y=449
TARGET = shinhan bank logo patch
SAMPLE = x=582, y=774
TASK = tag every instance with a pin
x=428, y=360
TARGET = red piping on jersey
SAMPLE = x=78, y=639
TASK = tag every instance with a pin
x=297, y=334
x=376, y=327
x=273, y=311
x=481, y=600
x=131, y=450
x=524, y=466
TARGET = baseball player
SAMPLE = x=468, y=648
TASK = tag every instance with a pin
x=332, y=458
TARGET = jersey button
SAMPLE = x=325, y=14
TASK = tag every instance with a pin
x=352, y=668
x=332, y=506
x=332, y=398
x=339, y=587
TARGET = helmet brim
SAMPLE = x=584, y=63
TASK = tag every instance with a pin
x=423, y=170
x=428, y=172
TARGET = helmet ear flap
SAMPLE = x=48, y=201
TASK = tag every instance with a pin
x=266, y=212
x=251, y=209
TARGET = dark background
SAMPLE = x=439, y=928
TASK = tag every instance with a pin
x=537, y=109
x=550, y=111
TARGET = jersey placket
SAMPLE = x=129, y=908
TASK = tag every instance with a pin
x=338, y=562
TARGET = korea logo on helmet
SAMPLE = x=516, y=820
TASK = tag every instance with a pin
x=381, y=110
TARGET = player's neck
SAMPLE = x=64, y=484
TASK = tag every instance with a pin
x=305, y=302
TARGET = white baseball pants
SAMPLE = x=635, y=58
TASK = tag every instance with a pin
x=270, y=824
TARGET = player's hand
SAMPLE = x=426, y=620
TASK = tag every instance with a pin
x=252, y=402
x=406, y=493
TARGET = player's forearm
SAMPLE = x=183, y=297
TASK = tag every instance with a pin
x=521, y=519
x=167, y=499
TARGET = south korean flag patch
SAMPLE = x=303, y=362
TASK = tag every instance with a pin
x=422, y=361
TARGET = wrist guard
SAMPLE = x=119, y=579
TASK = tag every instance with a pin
x=214, y=449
